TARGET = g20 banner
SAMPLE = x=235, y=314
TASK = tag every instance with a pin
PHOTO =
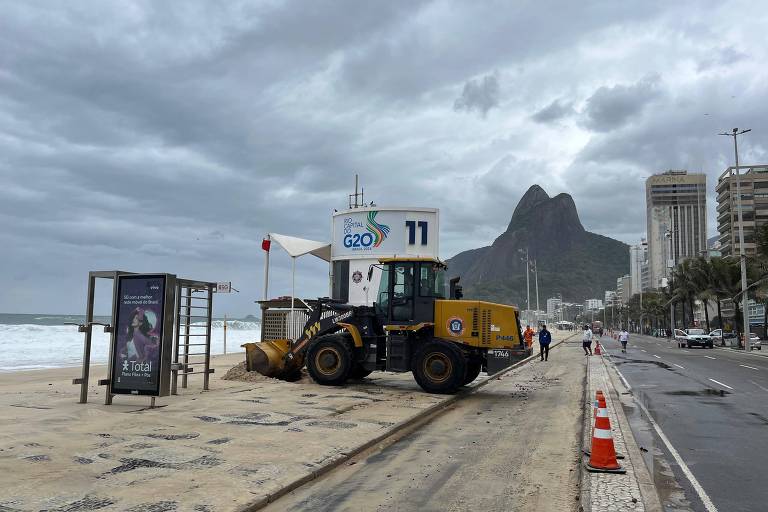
x=370, y=233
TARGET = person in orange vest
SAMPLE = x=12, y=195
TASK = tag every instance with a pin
x=528, y=337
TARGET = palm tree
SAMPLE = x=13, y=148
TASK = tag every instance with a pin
x=685, y=290
x=704, y=282
x=726, y=280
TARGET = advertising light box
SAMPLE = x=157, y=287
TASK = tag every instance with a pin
x=143, y=335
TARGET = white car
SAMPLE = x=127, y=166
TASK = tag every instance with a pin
x=754, y=341
x=690, y=337
x=719, y=337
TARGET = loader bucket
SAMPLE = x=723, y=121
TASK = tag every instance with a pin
x=268, y=359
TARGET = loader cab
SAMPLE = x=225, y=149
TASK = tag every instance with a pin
x=408, y=289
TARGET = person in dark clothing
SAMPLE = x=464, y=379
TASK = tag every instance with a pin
x=545, y=338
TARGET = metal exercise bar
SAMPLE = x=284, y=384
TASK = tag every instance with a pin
x=174, y=365
x=206, y=377
x=187, y=307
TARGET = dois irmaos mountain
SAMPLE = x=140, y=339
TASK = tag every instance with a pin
x=571, y=261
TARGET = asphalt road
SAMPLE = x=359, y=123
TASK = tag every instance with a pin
x=712, y=404
x=514, y=445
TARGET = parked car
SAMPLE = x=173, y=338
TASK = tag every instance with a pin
x=754, y=341
x=722, y=338
x=690, y=337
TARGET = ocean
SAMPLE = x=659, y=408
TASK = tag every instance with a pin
x=33, y=342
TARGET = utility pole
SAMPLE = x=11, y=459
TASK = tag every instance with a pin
x=536, y=277
x=668, y=234
x=743, y=255
x=527, y=285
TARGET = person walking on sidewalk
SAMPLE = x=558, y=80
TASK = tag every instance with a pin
x=624, y=338
x=528, y=337
x=586, y=341
x=545, y=338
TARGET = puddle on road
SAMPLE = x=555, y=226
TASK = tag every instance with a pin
x=643, y=361
x=671, y=494
x=703, y=392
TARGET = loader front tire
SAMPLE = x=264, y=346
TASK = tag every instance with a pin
x=439, y=367
x=473, y=370
x=358, y=372
x=329, y=360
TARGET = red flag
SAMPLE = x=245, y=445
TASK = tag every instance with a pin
x=265, y=244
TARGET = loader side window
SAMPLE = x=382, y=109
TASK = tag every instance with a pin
x=382, y=301
x=403, y=287
x=431, y=281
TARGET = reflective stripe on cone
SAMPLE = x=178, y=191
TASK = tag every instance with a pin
x=603, y=456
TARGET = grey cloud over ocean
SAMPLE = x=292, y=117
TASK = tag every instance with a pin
x=171, y=136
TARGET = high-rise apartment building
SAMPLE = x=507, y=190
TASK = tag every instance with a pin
x=593, y=305
x=623, y=289
x=754, y=196
x=554, y=309
x=676, y=207
x=638, y=256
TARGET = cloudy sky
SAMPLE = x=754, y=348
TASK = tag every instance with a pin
x=171, y=136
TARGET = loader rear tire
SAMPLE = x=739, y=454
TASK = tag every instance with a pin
x=329, y=360
x=439, y=367
x=473, y=370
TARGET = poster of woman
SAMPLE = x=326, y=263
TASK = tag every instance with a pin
x=139, y=334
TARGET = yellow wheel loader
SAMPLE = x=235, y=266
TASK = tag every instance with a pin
x=412, y=327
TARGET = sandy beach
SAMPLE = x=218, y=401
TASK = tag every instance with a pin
x=215, y=450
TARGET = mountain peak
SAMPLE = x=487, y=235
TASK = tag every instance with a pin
x=537, y=208
x=533, y=196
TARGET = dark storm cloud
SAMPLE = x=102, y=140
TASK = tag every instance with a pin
x=555, y=111
x=172, y=136
x=480, y=95
x=613, y=107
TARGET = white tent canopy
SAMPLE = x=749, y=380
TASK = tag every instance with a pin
x=296, y=247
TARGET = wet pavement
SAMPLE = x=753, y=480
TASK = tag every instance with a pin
x=712, y=405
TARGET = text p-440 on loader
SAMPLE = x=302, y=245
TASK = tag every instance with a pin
x=412, y=327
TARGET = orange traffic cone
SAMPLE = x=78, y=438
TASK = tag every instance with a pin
x=602, y=459
x=600, y=405
x=598, y=397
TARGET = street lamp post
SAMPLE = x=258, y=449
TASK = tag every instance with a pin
x=527, y=286
x=536, y=278
x=743, y=255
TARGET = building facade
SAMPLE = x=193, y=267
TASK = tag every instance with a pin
x=754, y=196
x=638, y=256
x=554, y=306
x=591, y=305
x=676, y=208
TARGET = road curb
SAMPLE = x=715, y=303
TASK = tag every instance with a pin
x=633, y=462
x=422, y=416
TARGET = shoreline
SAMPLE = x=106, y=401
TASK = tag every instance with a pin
x=4, y=371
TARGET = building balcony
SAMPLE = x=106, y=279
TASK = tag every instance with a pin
x=723, y=183
x=721, y=207
x=724, y=195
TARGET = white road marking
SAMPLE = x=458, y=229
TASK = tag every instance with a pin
x=684, y=350
x=679, y=366
x=680, y=462
x=750, y=367
x=710, y=357
x=758, y=385
x=718, y=382
x=657, y=357
x=644, y=350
